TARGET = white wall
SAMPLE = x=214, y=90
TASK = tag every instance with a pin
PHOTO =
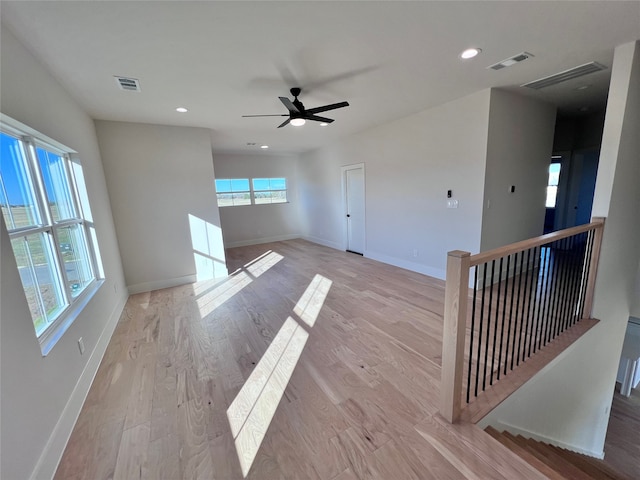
x=251, y=224
x=42, y=396
x=519, y=148
x=161, y=183
x=568, y=403
x=409, y=166
x=635, y=302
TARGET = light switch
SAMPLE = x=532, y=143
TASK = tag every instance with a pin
x=451, y=203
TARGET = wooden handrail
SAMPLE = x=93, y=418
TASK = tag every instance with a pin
x=457, y=295
x=489, y=255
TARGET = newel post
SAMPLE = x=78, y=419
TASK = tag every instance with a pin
x=593, y=266
x=454, y=331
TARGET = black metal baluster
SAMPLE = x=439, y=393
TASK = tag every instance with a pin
x=473, y=319
x=504, y=313
x=587, y=272
x=531, y=311
x=511, y=316
x=576, y=278
x=555, y=287
x=486, y=349
x=546, y=319
x=528, y=320
x=495, y=327
x=484, y=284
x=540, y=301
x=564, y=286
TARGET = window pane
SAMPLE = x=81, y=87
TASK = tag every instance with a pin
x=18, y=201
x=40, y=279
x=278, y=184
x=73, y=246
x=82, y=190
x=552, y=193
x=96, y=250
x=240, y=185
x=241, y=198
x=554, y=173
x=261, y=184
x=223, y=186
x=56, y=185
x=279, y=196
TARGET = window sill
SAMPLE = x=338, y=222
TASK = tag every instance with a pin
x=50, y=337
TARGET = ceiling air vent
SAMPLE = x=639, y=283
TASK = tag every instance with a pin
x=127, y=83
x=576, y=72
x=510, y=61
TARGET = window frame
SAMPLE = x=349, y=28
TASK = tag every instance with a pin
x=252, y=191
x=271, y=190
x=45, y=226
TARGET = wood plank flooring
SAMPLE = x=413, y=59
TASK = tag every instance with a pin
x=622, y=445
x=361, y=402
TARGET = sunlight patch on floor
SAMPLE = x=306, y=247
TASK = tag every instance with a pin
x=211, y=300
x=252, y=431
x=221, y=291
x=252, y=410
x=312, y=300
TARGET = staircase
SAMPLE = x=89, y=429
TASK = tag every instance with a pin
x=554, y=462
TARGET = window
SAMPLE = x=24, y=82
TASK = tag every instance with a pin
x=236, y=191
x=46, y=211
x=552, y=185
x=270, y=190
x=233, y=192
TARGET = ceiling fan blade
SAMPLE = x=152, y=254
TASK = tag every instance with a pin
x=333, y=106
x=286, y=122
x=318, y=119
x=275, y=115
x=289, y=104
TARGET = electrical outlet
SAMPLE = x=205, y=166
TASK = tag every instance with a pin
x=81, y=345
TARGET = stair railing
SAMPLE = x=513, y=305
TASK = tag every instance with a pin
x=521, y=297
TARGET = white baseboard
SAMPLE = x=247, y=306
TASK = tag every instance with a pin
x=407, y=265
x=52, y=454
x=159, y=284
x=322, y=241
x=258, y=241
x=501, y=426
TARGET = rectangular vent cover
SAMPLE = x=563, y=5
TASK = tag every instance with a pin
x=510, y=61
x=127, y=83
x=570, y=74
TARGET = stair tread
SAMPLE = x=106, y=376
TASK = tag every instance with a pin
x=555, y=461
x=605, y=471
x=529, y=458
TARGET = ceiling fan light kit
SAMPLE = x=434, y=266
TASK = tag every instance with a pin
x=298, y=115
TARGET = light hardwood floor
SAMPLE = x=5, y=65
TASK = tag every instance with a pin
x=361, y=401
x=622, y=445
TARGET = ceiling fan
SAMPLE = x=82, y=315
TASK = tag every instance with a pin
x=298, y=114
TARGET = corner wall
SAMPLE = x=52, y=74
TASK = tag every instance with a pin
x=252, y=224
x=42, y=396
x=161, y=183
x=519, y=148
x=410, y=164
x=568, y=403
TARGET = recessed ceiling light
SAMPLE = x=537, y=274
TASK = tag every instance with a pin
x=324, y=124
x=470, y=53
x=298, y=122
x=181, y=110
x=264, y=146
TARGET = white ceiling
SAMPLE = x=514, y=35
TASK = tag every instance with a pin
x=389, y=59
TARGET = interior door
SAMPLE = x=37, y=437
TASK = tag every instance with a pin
x=354, y=194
